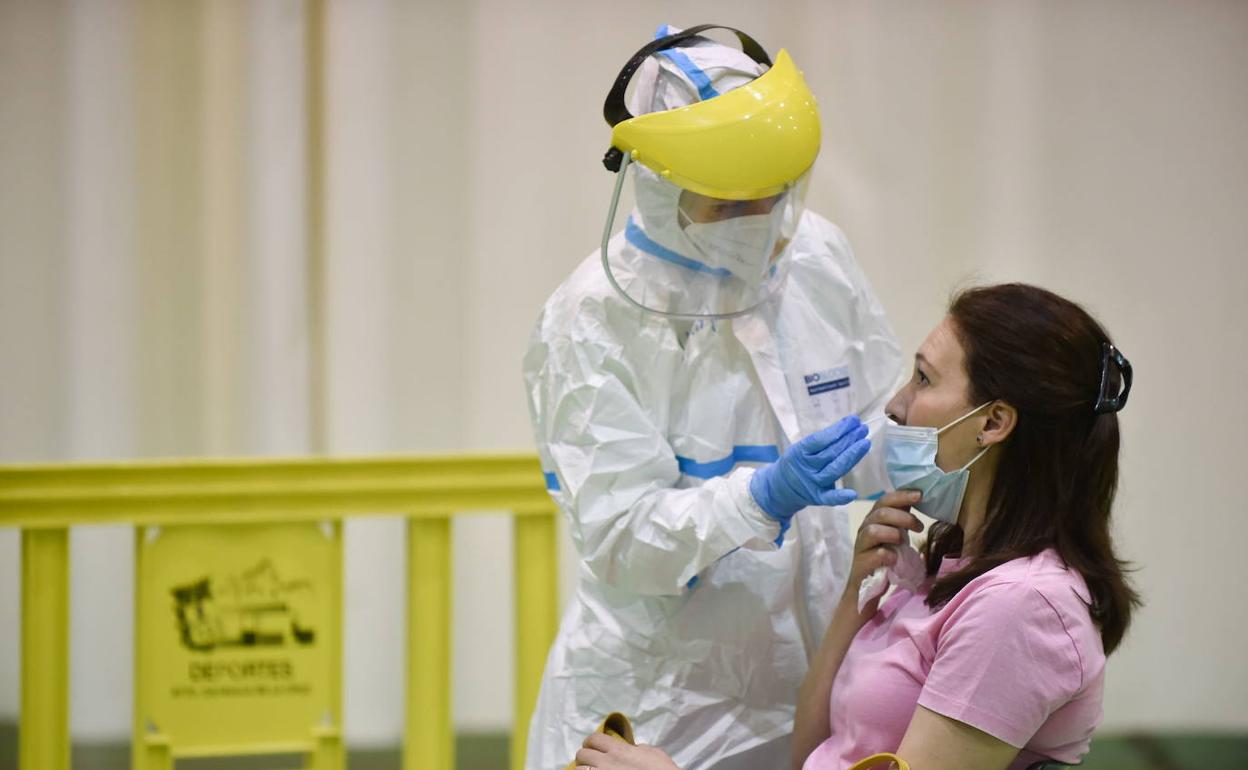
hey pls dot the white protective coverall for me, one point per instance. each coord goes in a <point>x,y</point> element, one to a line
<point>688,617</point>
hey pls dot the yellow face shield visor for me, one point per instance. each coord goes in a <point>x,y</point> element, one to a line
<point>749,143</point>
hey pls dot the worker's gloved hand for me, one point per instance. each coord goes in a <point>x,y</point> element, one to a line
<point>807,472</point>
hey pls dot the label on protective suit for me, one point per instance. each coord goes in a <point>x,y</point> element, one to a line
<point>829,395</point>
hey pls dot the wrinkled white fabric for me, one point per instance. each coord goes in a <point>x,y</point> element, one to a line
<point>648,429</point>
<point>664,81</point>
<point>907,573</point>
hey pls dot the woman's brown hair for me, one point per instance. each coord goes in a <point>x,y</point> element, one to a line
<point>1058,470</point>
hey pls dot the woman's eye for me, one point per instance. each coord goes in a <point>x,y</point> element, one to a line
<point>921,377</point>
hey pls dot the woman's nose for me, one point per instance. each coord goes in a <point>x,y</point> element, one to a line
<point>896,408</point>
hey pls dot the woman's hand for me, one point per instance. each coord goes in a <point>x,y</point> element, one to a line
<point>606,752</point>
<point>877,538</point>
<point>873,548</point>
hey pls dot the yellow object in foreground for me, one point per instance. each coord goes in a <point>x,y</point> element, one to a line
<point>878,759</point>
<point>617,726</point>
<point>751,142</point>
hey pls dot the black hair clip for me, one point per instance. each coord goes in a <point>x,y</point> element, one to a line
<point>1105,403</point>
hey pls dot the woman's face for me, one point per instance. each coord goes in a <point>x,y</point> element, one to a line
<point>937,394</point>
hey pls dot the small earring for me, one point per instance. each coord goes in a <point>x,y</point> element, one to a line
<point>979,439</point>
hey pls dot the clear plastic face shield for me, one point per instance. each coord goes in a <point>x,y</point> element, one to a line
<point>689,255</point>
<point>708,197</point>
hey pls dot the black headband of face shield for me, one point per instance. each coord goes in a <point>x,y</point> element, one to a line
<point>614,109</point>
<point>1106,403</point>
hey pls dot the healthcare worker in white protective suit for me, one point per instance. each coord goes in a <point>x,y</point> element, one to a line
<point>693,386</point>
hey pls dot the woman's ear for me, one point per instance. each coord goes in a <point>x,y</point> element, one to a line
<point>1002,417</point>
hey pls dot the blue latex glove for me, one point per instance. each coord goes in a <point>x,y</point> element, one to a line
<point>807,472</point>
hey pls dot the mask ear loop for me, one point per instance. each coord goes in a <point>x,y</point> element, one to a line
<point>963,417</point>
<point>975,459</point>
<point>983,451</point>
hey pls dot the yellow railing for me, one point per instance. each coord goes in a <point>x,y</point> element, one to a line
<point>44,501</point>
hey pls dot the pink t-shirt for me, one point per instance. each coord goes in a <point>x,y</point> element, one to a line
<point>1014,654</point>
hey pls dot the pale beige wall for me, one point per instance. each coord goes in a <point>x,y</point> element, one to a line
<point>1095,148</point>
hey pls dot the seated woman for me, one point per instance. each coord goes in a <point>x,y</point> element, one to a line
<point>997,659</point>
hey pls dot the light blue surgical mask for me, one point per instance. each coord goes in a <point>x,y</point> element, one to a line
<point>910,458</point>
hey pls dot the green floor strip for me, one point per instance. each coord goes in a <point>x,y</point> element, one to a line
<point>489,751</point>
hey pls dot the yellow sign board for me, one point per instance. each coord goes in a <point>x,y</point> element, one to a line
<point>238,625</point>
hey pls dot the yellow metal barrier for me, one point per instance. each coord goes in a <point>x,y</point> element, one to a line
<point>44,501</point>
